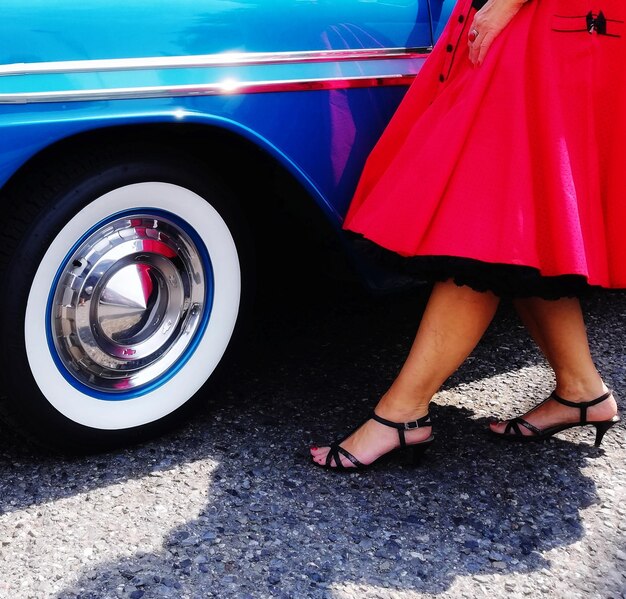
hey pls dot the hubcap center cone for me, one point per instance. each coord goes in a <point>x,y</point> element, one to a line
<point>133,301</point>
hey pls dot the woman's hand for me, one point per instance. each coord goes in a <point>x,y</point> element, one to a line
<point>488,22</point>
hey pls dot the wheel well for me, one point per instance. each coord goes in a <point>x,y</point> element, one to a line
<point>283,216</point>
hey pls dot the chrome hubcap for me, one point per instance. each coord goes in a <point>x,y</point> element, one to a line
<point>128,303</point>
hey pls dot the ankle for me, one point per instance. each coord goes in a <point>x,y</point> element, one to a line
<point>402,408</point>
<point>581,390</point>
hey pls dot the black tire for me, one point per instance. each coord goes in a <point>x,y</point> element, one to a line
<point>157,235</point>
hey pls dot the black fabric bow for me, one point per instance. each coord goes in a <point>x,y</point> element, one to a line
<point>596,23</point>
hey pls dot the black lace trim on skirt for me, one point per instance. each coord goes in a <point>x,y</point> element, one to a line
<point>505,280</point>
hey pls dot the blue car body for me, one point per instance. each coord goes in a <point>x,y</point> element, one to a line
<point>126,283</point>
<point>56,57</point>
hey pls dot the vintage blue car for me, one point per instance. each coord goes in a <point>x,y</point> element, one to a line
<point>147,150</point>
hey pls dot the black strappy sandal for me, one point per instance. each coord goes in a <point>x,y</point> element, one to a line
<point>414,450</point>
<point>512,432</point>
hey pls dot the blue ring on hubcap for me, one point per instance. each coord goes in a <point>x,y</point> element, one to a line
<point>189,350</point>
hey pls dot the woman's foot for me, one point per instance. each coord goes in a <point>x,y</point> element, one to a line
<point>373,439</point>
<point>551,413</point>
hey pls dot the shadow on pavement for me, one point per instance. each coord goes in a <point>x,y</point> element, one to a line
<point>290,529</point>
<point>275,525</point>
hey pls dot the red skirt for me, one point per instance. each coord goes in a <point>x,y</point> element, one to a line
<point>510,176</point>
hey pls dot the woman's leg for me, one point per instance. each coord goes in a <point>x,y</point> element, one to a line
<point>558,328</point>
<point>527,315</point>
<point>453,323</point>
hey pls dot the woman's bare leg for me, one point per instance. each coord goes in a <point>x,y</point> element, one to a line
<point>558,328</point>
<point>527,316</point>
<point>453,323</point>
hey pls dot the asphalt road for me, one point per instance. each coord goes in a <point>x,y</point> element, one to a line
<point>229,505</point>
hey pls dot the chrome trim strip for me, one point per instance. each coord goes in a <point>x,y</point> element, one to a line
<point>211,89</point>
<point>209,60</point>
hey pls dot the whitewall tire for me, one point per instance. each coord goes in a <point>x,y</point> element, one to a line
<point>129,292</point>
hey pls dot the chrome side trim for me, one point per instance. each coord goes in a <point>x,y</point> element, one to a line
<point>209,60</point>
<point>227,87</point>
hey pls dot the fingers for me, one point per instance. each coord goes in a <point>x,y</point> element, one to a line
<point>474,40</point>
<point>487,24</point>
<point>484,47</point>
<point>476,34</point>
<point>479,47</point>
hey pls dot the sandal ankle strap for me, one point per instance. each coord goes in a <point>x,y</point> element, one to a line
<point>579,404</point>
<point>401,427</point>
<point>582,405</point>
<point>405,426</point>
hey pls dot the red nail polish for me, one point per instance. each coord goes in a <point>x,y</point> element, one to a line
<point>314,448</point>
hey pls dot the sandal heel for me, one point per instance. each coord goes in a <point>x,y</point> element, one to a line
<point>416,452</point>
<point>602,427</point>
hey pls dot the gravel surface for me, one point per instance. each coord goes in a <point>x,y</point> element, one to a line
<point>230,506</point>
